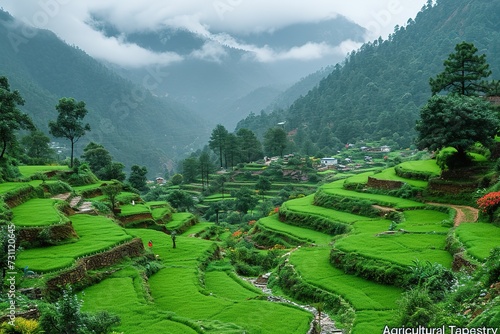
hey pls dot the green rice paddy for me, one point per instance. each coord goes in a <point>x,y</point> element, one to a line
<point>10,186</point>
<point>179,219</point>
<point>313,265</point>
<point>307,235</point>
<point>37,212</point>
<point>96,234</point>
<point>428,166</point>
<point>305,205</point>
<point>478,238</point>
<point>177,289</point>
<point>28,171</point>
<point>390,175</point>
<point>137,315</point>
<point>183,298</point>
<point>336,188</point>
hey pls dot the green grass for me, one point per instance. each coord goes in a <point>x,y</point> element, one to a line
<point>314,267</point>
<point>305,205</point>
<point>374,321</point>
<point>179,219</point>
<point>390,175</point>
<point>428,166</point>
<point>80,189</point>
<point>137,315</point>
<point>36,212</point>
<point>177,289</point>
<point>197,228</point>
<point>222,285</point>
<point>96,234</point>
<point>158,204</point>
<point>129,209</point>
<point>9,186</point>
<point>424,221</point>
<point>478,238</point>
<point>218,197</point>
<point>397,248</point>
<point>28,171</point>
<point>336,188</point>
<point>160,213</point>
<point>359,178</point>
<point>307,235</point>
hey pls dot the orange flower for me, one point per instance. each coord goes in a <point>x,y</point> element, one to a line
<point>489,201</point>
<point>237,234</point>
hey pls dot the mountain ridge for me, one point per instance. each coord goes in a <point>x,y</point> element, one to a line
<point>377,92</point>
<point>44,68</point>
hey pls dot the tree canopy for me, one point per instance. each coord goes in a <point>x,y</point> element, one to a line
<point>218,141</point>
<point>100,162</point>
<point>37,148</point>
<point>463,73</point>
<point>457,121</point>
<point>275,141</point>
<point>137,177</point>
<point>69,123</point>
<point>11,118</point>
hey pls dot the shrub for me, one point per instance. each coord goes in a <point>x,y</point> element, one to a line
<point>314,222</point>
<point>489,203</point>
<point>416,308</point>
<point>58,187</point>
<point>357,206</point>
<point>491,269</point>
<point>377,270</point>
<point>65,316</point>
<point>101,207</point>
<point>413,174</point>
<point>433,277</point>
<point>8,169</point>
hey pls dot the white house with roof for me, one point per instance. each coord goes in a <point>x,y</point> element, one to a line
<point>329,161</point>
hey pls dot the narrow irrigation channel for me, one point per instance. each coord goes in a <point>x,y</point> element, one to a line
<point>327,324</point>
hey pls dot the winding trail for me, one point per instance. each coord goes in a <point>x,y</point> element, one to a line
<point>465,214</point>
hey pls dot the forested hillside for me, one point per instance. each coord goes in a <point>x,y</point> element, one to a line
<point>376,94</point>
<point>134,125</point>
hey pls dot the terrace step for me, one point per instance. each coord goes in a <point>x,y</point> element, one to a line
<point>86,207</point>
<point>74,201</point>
<point>63,197</point>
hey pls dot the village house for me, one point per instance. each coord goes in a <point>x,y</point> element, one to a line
<point>329,161</point>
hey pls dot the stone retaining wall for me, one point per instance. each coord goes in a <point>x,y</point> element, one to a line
<point>19,196</point>
<point>135,218</point>
<point>384,184</point>
<point>459,262</point>
<point>55,233</point>
<point>133,248</point>
<point>437,185</point>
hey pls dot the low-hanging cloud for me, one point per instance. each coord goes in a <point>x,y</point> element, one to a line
<point>214,20</point>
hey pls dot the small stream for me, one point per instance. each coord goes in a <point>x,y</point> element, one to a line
<point>327,324</point>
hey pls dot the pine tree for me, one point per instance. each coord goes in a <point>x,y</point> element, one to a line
<point>463,73</point>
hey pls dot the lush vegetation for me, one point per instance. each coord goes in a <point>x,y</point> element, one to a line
<point>381,239</point>
<point>389,87</point>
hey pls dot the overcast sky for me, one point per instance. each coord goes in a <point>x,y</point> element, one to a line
<point>216,19</point>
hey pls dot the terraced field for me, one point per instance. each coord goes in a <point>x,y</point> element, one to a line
<point>221,305</point>
<point>186,295</point>
<point>95,234</point>
<point>337,188</point>
<point>46,215</point>
<point>180,298</point>
<point>420,236</point>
